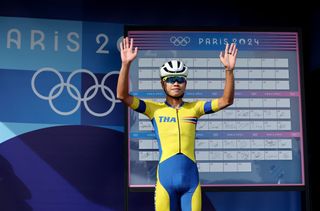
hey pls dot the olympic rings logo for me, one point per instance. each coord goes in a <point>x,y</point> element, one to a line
<point>57,90</point>
<point>179,41</point>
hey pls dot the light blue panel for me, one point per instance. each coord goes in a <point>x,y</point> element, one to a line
<point>9,130</point>
<point>100,51</point>
<point>29,44</point>
<point>26,104</point>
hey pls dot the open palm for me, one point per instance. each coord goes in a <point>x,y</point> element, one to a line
<point>126,50</point>
<point>228,59</point>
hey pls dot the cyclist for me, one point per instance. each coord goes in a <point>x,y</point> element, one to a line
<point>174,122</point>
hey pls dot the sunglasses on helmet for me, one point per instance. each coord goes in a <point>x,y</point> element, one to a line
<point>173,79</point>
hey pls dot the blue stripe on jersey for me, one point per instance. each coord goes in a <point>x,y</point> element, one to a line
<point>142,107</point>
<point>207,108</point>
<point>155,127</point>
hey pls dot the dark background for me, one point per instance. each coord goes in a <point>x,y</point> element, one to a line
<point>301,15</point>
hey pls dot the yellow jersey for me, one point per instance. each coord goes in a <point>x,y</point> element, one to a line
<point>175,129</point>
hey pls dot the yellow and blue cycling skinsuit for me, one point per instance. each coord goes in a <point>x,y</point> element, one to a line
<point>177,174</point>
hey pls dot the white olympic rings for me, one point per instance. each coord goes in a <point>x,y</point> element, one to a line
<point>179,41</point>
<point>77,96</point>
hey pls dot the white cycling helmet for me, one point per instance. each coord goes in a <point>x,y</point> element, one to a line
<point>173,68</point>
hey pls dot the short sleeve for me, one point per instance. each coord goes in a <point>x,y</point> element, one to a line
<point>207,107</point>
<point>142,106</point>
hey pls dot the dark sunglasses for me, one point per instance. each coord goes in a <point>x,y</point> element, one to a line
<point>173,79</point>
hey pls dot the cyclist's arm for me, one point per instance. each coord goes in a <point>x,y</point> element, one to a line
<point>228,92</point>
<point>122,87</point>
<point>228,59</point>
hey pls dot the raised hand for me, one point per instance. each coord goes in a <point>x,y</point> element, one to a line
<point>228,58</point>
<point>126,50</point>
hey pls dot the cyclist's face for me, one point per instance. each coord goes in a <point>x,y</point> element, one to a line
<point>174,89</point>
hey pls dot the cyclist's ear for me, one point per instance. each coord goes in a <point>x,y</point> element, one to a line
<point>162,83</point>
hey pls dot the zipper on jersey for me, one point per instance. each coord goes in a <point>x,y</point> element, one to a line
<point>179,130</point>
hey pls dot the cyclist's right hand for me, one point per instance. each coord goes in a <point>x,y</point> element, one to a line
<point>126,50</point>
